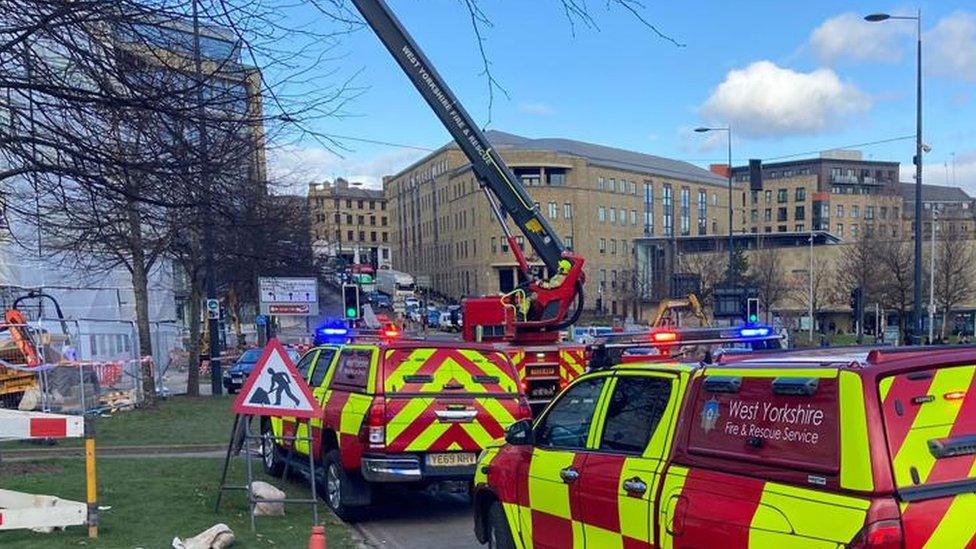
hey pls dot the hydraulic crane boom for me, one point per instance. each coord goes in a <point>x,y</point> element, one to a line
<point>550,301</point>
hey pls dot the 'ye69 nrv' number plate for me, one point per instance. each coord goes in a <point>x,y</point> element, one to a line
<point>454,459</point>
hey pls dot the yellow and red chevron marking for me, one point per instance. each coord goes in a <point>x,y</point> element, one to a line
<point>572,364</point>
<point>414,425</point>
<point>476,371</point>
<point>938,522</point>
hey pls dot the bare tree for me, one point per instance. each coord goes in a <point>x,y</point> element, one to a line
<point>767,274</point>
<point>824,289</point>
<point>710,269</point>
<point>955,282</point>
<point>893,276</point>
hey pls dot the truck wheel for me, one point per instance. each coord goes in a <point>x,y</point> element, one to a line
<point>339,488</point>
<point>499,534</point>
<point>274,464</point>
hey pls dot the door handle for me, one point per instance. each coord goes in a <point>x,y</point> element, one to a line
<point>676,525</point>
<point>569,475</point>
<point>635,487</point>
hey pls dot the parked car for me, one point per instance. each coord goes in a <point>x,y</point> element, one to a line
<point>380,301</point>
<point>406,412</point>
<point>235,375</point>
<point>444,322</point>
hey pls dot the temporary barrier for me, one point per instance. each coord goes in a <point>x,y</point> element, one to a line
<point>19,510</point>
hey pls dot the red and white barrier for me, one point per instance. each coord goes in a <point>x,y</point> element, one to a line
<point>30,425</point>
<point>19,510</point>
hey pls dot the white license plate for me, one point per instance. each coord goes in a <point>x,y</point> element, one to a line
<point>456,459</point>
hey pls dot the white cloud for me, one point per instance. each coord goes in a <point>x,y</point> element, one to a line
<point>295,166</point>
<point>764,100</point>
<point>950,47</point>
<point>536,109</point>
<point>848,37</point>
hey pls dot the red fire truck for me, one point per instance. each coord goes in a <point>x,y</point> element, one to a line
<point>527,321</point>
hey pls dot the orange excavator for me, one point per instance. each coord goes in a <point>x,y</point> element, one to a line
<point>16,347</point>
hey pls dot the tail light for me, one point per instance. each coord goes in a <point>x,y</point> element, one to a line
<point>563,382</point>
<point>524,410</point>
<point>883,529</point>
<point>525,386</point>
<point>373,432</point>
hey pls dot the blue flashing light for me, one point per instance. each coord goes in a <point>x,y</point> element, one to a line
<point>754,332</point>
<point>333,331</point>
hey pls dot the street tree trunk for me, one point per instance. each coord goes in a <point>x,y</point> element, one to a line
<point>140,288</point>
<point>193,374</point>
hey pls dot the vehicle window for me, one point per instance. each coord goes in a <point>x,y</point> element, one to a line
<point>352,370</point>
<point>568,422</point>
<point>322,364</point>
<point>304,364</point>
<point>251,355</point>
<point>633,413</point>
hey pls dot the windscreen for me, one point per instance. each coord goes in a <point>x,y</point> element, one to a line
<point>451,371</point>
<point>930,423</point>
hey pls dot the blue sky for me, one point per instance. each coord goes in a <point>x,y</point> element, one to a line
<point>790,77</point>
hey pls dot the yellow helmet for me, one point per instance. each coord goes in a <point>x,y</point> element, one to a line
<point>564,266</point>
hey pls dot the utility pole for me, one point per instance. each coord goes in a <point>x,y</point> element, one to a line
<point>206,183</point>
<point>811,284</point>
<point>932,275</point>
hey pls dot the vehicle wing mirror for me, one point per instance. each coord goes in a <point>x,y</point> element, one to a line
<point>520,433</point>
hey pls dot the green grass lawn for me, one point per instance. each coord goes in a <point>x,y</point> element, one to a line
<point>179,420</point>
<point>152,500</point>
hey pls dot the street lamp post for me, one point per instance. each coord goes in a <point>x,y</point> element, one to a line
<point>877,17</point>
<point>932,274</point>
<point>811,284</point>
<point>728,132</point>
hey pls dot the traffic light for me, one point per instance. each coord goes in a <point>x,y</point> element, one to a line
<point>855,303</point>
<point>350,300</point>
<point>752,310</point>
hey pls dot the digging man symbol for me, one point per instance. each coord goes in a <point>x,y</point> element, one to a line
<point>280,383</point>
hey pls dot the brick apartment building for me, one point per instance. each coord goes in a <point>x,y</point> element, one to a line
<point>838,192</point>
<point>598,198</point>
<point>350,222</point>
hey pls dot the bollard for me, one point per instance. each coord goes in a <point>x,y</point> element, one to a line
<point>91,484</point>
<point>317,539</point>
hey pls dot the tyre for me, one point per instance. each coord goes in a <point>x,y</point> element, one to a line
<point>271,458</point>
<point>499,534</point>
<point>340,488</point>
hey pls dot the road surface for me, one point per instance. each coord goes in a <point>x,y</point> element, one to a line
<point>405,519</point>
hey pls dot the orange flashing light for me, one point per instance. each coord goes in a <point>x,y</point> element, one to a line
<point>954,395</point>
<point>664,337</point>
<point>391,332</point>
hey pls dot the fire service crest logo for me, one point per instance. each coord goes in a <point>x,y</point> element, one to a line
<point>710,413</point>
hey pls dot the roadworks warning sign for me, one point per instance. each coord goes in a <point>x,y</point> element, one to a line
<point>275,388</point>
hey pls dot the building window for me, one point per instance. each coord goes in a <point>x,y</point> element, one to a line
<point>799,213</point>
<point>869,212</point>
<point>754,216</point>
<point>685,211</point>
<point>702,212</point>
<point>854,231</point>
<point>781,214</point>
<point>714,199</point>
<point>386,236</point>
<point>567,211</point>
<point>840,230</point>
<point>884,212</point>
<point>494,244</point>
<point>781,228</point>
<point>768,215</point>
<point>556,177</point>
<point>768,195</point>
<point>855,211</point>
<point>648,208</point>
<point>800,228</point>
<point>613,245</point>
<point>801,194</point>
<point>613,215</point>
<point>668,205</point>
<point>602,214</point>
<point>504,245</point>
<point>568,240</point>
<point>782,196</point>
<point>840,210</point>
<point>553,211</point>
<point>612,185</point>
<point>603,245</point>
<point>633,217</point>
<point>349,235</point>
<point>521,242</point>
<point>600,183</point>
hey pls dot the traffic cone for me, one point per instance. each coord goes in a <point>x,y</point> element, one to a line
<point>317,539</point>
